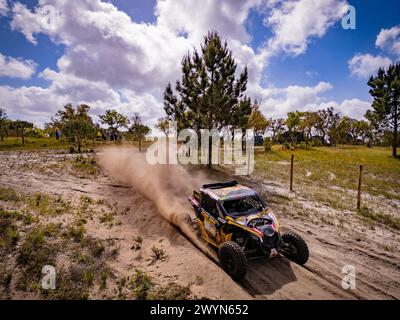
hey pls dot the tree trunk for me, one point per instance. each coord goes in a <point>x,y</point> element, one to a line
<point>23,137</point>
<point>140,144</point>
<point>167,149</point>
<point>323,138</point>
<point>211,123</point>
<point>394,151</point>
<point>209,152</point>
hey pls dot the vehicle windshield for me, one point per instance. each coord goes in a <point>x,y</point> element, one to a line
<point>243,206</point>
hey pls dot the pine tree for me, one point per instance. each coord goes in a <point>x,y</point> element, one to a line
<point>210,96</point>
<point>385,89</point>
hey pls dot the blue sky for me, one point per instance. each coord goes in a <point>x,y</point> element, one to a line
<point>325,59</point>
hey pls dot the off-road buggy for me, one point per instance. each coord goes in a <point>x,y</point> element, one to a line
<point>235,220</point>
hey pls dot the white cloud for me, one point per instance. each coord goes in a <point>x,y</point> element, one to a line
<point>312,74</point>
<point>389,39</point>
<point>103,44</point>
<point>354,108</point>
<point>132,61</point>
<point>16,67</point>
<point>196,18</point>
<point>295,23</point>
<point>39,104</point>
<point>364,65</point>
<point>277,102</point>
<point>3,7</point>
<point>111,61</point>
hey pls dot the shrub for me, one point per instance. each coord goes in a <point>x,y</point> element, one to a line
<point>304,145</point>
<point>35,252</point>
<point>76,233</point>
<point>267,145</point>
<point>172,291</point>
<point>141,284</point>
<point>158,253</point>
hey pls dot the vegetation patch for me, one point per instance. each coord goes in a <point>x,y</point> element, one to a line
<point>86,166</point>
<point>171,291</point>
<point>141,284</point>
<point>158,254</point>
<point>36,251</point>
<point>386,219</point>
<point>9,235</point>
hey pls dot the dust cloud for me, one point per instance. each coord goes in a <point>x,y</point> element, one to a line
<point>168,186</point>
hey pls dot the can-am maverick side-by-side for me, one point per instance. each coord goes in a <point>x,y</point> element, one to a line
<point>235,220</point>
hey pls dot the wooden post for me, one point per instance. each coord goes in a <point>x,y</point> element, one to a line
<point>291,173</point>
<point>359,189</point>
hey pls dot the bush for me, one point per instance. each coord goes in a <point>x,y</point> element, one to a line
<point>141,284</point>
<point>171,291</point>
<point>158,254</point>
<point>286,146</point>
<point>304,145</point>
<point>316,142</point>
<point>36,251</point>
<point>267,145</point>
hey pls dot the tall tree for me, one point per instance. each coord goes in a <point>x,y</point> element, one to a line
<point>293,122</point>
<point>210,96</point>
<point>257,120</point>
<point>75,123</point>
<point>308,123</point>
<point>325,123</point>
<point>78,130</point>
<point>21,128</point>
<point>163,125</point>
<point>114,120</point>
<point>138,129</point>
<point>385,89</point>
<point>3,123</point>
<point>343,132</point>
<point>276,127</point>
<point>333,126</point>
<point>364,131</point>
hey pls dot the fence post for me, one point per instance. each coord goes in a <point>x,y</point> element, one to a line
<point>291,173</point>
<point>359,189</point>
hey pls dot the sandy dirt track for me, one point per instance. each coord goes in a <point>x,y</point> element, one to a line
<point>157,202</point>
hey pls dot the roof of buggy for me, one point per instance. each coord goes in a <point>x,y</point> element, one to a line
<point>227,190</point>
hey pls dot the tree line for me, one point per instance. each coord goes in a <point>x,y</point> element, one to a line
<point>211,94</point>
<point>78,126</point>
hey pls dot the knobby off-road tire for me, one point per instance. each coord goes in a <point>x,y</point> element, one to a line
<point>300,254</point>
<point>233,260</point>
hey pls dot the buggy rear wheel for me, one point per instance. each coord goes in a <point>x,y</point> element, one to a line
<point>294,248</point>
<point>233,260</point>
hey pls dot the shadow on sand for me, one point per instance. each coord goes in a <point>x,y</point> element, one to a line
<point>265,276</point>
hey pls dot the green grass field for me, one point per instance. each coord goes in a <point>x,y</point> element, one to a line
<point>13,143</point>
<point>327,174</point>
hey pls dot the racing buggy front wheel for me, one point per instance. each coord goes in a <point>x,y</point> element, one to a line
<point>233,260</point>
<point>294,248</point>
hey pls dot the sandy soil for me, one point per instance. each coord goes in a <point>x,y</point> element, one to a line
<point>152,202</point>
